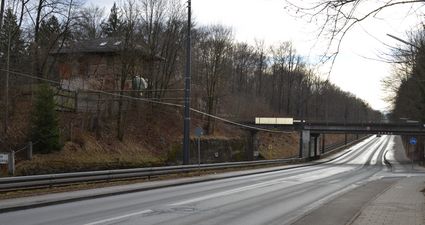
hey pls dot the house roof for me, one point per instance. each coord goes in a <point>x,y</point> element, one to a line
<point>101,46</point>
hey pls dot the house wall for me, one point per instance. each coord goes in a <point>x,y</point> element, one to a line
<point>93,71</point>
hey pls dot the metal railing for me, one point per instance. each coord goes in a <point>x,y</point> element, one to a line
<point>49,180</point>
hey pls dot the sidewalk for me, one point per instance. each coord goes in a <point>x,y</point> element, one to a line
<point>397,157</point>
<point>402,204</point>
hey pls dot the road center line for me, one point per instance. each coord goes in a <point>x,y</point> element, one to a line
<point>120,217</point>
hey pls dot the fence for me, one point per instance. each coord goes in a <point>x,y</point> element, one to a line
<point>66,100</point>
<point>9,158</point>
<point>89,101</point>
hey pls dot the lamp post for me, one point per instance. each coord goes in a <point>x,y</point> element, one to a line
<point>186,126</point>
<point>402,41</point>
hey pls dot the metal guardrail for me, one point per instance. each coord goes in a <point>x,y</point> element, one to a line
<point>36,181</point>
<point>49,180</point>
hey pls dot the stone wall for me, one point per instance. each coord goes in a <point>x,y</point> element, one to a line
<point>219,150</point>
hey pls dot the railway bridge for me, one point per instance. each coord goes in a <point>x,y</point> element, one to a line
<point>311,133</point>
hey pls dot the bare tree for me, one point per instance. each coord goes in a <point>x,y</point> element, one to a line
<point>261,65</point>
<point>337,17</point>
<point>88,22</point>
<point>171,42</point>
<point>213,58</point>
<point>162,28</point>
<point>152,18</point>
<point>285,64</point>
<point>128,58</point>
<point>39,11</point>
<point>243,68</point>
<point>406,86</point>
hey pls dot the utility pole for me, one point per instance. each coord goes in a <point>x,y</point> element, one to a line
<point>6,112</point>
<point>1,12</point>
<point>2,3</point>
<point>186,127</point>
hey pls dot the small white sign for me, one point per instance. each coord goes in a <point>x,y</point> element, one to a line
<point>4,158</point>
<point>274,120</point>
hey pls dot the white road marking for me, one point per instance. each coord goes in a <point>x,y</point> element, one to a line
<point>120,217</point>
<point>233,191</point>
<point>284,182</point>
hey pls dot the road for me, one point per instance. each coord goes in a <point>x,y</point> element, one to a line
<point>279,197</point>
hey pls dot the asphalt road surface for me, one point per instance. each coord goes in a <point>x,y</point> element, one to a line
<point>280,197</point>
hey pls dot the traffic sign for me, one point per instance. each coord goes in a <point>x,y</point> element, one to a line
<point>413,141</point>
<point>4,158</point>
<point>199,132</point>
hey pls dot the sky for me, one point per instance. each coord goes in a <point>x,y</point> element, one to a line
<point>357,68</point>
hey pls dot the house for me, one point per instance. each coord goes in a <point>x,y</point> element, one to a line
<point>97,64</point>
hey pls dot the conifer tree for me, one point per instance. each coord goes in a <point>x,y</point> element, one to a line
<point>45,123</point>
<point>113,26</point>
<point>50,32</point>
<point>10,37</point>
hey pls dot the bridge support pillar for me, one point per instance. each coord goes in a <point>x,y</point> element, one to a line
<point>323,143</point>
<point>304,144</point>
<point>315,145</point>
<point>252,150</point>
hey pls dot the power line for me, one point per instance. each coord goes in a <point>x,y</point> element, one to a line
<point>155,102</point>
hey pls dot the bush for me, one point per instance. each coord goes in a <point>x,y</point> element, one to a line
<point>44,122</point>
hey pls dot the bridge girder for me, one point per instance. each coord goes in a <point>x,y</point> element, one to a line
<point>353,128</point>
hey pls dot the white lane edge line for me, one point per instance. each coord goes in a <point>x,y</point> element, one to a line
<point>120,217</point>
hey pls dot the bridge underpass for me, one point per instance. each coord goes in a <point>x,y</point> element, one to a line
<point>312,133</point>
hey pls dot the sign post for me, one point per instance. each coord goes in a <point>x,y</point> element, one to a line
<point>199,132</point>
<point>11,163</point>
<point>413,142</point>
<point>4,164</point>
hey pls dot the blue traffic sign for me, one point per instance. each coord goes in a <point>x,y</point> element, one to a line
<point>413,141</point>
<point>199,132</point>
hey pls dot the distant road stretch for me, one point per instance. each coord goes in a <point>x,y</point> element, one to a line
<point>270,198</point>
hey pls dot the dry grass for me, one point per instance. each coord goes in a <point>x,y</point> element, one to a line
<point>92,155</point>
<point>150,133</point>
<point>278,146</point>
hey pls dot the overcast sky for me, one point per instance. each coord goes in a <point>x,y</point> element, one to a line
<point>355,69</point>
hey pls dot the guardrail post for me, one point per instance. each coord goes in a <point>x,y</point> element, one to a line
<point>12,163</point>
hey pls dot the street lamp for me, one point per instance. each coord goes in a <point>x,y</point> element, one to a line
<point>402,41</point>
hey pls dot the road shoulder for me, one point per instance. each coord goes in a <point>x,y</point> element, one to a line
<point>342,209</point>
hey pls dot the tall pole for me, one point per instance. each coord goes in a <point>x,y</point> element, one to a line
<point>186,127</point>
<point>6,111</point>
<point>2,4</point>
